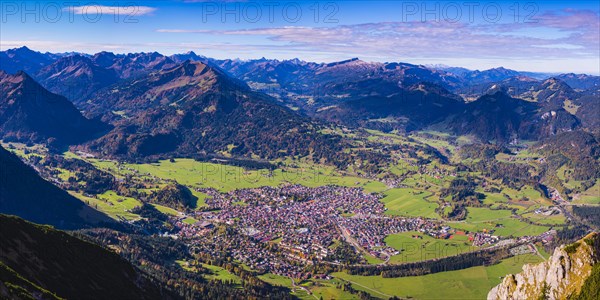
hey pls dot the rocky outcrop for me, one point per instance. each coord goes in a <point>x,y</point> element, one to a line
<point>560,277</point>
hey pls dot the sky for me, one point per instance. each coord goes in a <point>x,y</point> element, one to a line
<point>540,36</point>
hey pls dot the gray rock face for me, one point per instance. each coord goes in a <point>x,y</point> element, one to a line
<point>561,275</point>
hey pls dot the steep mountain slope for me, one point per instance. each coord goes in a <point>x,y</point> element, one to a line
<point>554,93</point>
<point>502,118</point>
<point>24,59</point>
<point>76,77</point>
<point>492,117</point>
<point>178,85</point>
<point>193,109</point>
<point>589,111</point>
<point>562,276</point>
<point>408,109</point>
<point>24,193</point>
<point>40,262</point>
<point>30,113</point>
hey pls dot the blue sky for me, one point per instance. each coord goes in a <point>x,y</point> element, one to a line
<point>546,36</point>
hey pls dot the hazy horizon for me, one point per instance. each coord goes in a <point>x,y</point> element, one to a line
<point>548,37</point>
<point>197,52</point>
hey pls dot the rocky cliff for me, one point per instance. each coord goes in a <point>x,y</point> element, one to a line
<point>562,276</point>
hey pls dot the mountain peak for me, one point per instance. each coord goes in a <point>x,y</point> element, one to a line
<point>43,115</point>
<point>23,48</point>
<point>190,68</point>
<point>345,62</point>
<point>561,276</point>
<point>554,83</point>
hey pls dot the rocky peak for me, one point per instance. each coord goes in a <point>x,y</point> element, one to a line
<point>560,277</point>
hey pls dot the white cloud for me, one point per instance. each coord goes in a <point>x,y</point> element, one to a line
<point>132,10</point>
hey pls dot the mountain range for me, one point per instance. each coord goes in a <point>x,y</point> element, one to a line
<point>143,107</point>
<point>192,109</point>
<point>188,104</point>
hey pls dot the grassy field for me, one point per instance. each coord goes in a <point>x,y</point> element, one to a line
<point>201,198</point>
<point>276,279</point>
<point>590,196</point>
<point>427,182</point>
<point>218,273</point>
<point>113,205</point>
<point>172,212</point>
<point>526,192</point>
<point>214,272</point>
<point>425,247</point>
<point>501,221</point>
<point>471,283</point>
<point>166,210</point>
<point>326,290</point>
<point>545,220</point>
<point>226,178</point>
<point>409,202</point>
<point>320,289</point>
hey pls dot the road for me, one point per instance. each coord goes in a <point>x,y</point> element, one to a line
<point>350,239</point>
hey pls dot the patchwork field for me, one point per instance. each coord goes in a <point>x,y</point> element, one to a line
<point>416,246</point>
<point>471,283</point>
<point>226,178</point>
<point>501,221</point>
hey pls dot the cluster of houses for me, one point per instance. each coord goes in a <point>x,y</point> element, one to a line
<point>283,229</point>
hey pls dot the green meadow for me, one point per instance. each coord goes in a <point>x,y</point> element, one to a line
<point>409,202</point>
<point>590,196</point>
<point>471,283</point>
<point>218,273</point>
<point>227,178</point>
<point>214,272</point>
<point>113,205</point>
<point>417,246</point>
<point>503,223</point>
<point>320,289</point>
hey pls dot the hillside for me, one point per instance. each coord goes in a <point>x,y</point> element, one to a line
<point>562,276</point>
<point>76,77</point>
<point>24,193</point>
<point>409,109</point>
<point>193,109</point>
<point>38,262</point>
<point>502,118</point>
<point>30,113</point>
